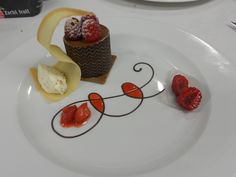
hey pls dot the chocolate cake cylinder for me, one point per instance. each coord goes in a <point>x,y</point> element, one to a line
<point>93,58</point>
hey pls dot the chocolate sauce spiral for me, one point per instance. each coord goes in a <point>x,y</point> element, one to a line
<point>129,93</point>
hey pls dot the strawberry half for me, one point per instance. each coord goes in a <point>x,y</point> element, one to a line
<point>189,98</point>
<point>82,114</point>
<point>179,83</point>
<point>67,116</point>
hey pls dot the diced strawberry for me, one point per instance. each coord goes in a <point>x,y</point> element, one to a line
<point>82,114</point>
<point>67,116</point>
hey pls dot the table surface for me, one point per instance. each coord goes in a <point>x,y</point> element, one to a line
<point>207,19</point>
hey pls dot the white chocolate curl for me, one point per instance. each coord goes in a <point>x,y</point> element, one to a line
<point>64,63</point>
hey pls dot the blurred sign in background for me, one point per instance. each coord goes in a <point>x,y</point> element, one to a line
<point>21,8</point>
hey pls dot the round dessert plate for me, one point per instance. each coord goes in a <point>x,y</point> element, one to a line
<point>142,134</point>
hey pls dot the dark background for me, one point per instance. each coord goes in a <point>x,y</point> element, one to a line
<point>10,7</point>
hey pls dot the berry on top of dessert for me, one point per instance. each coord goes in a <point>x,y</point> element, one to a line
<point>91,30</point>
<point>72,29</point>
<point>87,29</point>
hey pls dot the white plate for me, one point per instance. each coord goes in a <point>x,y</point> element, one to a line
<point>157,140</point>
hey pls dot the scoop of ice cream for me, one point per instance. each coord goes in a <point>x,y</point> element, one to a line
<point>51,80</point>
<point>72,29</point>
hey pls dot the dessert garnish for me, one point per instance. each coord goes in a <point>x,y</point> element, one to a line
<point>65,65</point>
<point>179,83</point>
<point>87,29</point>
<point>72,29</point>
<point>89,17</point>
<point>67,116</point>
<point>188,98</point>
<point>91,30</point>
<point>73,116</point>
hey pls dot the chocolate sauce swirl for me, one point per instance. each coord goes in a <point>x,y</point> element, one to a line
<point>129,89</point>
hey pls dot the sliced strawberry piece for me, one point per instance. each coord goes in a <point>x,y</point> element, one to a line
<point>82,114</point>
<point>190,98</point>
<point>67,116</point>
<point>179,84</point>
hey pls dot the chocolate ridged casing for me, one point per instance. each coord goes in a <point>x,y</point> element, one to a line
<point>93,58</point>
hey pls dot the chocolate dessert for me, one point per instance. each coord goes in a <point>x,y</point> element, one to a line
<point>88,44</point>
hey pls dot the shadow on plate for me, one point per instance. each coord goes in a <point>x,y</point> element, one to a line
<point>141,4</point>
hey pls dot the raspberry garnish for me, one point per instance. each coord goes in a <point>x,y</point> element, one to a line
<point>179,84</point>
<point>189,98</point>
<point>86,17</point>
<point>71,24</point>
<point>72,29</point>
<point>91,30</point>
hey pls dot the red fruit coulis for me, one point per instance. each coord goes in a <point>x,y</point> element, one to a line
<point>97,101</point>
<point>132,90</point>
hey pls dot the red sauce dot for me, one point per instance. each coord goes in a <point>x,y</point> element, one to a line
<point>97,101</point>
<point>132,90</point>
